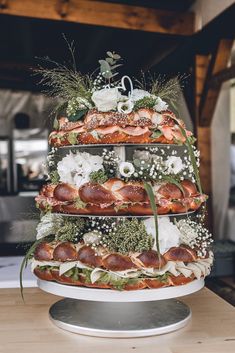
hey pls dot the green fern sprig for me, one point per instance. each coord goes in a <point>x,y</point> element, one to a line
<point>160,86</point>
<point>64,83</point>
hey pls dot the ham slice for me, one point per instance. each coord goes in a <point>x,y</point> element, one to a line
<point>134,131</point>
<point>107,130</point>
<point>129,130</point>
<point>167,132</point>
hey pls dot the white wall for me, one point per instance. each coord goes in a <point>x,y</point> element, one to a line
<point>221,161</point>
<point>206,10</point>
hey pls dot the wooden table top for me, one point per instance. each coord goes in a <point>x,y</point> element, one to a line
<point>26,328</point>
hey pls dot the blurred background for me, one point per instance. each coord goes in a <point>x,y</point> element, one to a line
<point>170,37</point>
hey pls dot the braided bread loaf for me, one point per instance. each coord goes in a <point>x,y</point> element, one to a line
<point>113,127</point>
<point>116,197</point>
<point>65,252</point>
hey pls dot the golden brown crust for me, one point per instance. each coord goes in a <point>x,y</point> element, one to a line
<point>88,256</point>
<point>133,192</point>
<point>189,188</point>
<point>150,258</point>
<point>180,280</point>
<point>114,127</point>
<point>180,253</point>
<point>44,251</point>
<point>65,192</point>
<point>136,209</point>
<point>65,251</point>
<point>118,262</point>
<point>46,275</point>
<point>95,193</point>
<point>145,283</point>
<point>118,197</point>
<point>170,191</point>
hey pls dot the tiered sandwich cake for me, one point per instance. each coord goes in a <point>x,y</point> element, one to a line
<point>123,205</point>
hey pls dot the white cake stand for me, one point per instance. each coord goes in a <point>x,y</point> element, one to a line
<point>112,313</point>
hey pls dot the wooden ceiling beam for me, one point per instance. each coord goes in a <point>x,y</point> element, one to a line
<point>222,76</point>
<point>100,13</point>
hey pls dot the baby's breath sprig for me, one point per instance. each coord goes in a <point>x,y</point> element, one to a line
<point>110,162</point>
<point>194,235</point>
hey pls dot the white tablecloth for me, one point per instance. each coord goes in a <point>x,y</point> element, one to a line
<point>9,273</point>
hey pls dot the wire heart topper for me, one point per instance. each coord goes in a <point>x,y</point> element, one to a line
<point>123,86</point>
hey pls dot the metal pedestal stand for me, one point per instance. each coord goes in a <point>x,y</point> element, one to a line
<point>108,313</point>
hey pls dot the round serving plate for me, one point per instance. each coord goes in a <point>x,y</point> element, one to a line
<point>122,145</point>
<point>110,295</point>
<point>121,216</point>
<point>120,320</point>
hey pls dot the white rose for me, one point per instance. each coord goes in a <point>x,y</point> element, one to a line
<point>125,107</point>
<point>138,94</point>
<point>106,99</point>
<point>157,118</point>
<point>142,156</point>
<point>174,165</point>
<point>168,233</point>
<point>91,237</point>
<point>75,168</point>
<point>126,169</point>
<point>160,105</point>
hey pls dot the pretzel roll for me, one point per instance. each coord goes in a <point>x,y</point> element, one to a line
<point>180,253</point>
<point>54,140</point>
<point>94,285</point>
<point>48,190</point>
<point>144,138</point>
<point>45,275</point>
<point>155,283</point>
<point>170,191</point>
<point>65,251</point>
<point>43,252</point>
<point>150,258</point>
<point>118,262</point>
<point>88,256</point>
<point>180,207</point>
<point>189,187</point>
<point>166,141</point>
<point>140,284</point>
<point>114,184</point>
<point>139,209</point>
<point>95,193</point>
<point>64,279</point>
<point>195,203</point>
<point>115,137</point>
<point>133,193</point>
<point>86,138</point>
<point>163,209</point>
<point>65,192</point>
<point>89,209</point>
<point>179,280</point>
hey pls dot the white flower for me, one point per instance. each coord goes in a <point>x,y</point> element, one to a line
<point>91,238</point>
<point>126,169</point>
<point>174,165</point>
<point>142,155</point>
<point>75,168</point>
<point>168,233</point>
<point>188,234</point>
<point>160,105</point>
<point>106,99</point>
<point>47,225</point>
<point>125,107</point>
<point>157,118</point>
<point>138,94</point>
